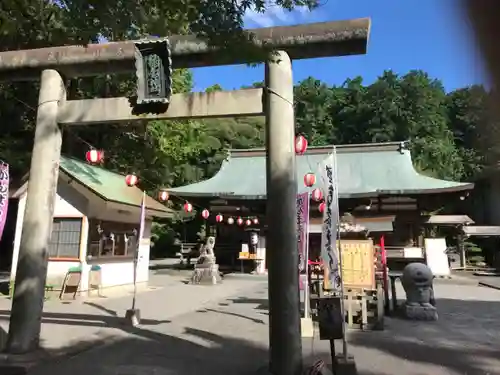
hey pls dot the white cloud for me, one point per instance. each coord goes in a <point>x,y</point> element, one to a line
<point>275,16</point>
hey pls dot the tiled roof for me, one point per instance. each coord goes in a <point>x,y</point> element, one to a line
<point>108,185</point>
<point>367,170</point>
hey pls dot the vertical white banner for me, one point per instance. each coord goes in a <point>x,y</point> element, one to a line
<point>329,251</point>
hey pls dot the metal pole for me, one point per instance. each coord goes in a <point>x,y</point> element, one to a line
<point>284,300</point>
<point>31,274</point>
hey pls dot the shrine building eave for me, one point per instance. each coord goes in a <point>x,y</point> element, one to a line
<point>364,171</point>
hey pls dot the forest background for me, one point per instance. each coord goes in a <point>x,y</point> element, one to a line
<point>451,134</point>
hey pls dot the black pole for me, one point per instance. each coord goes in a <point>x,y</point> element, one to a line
<point>333,356</point>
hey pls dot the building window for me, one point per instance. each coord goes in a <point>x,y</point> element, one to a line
<point>111,239</point>
<point>65,238</point>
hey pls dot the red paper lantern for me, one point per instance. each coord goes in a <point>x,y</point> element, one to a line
<point>309,179</point>
<point>94,156</point>
<point>322,207</point>
<point>255,220</point>
<point>188,207</point>
<point>163,196</point>
<point>317,195</point>
<point>239,221</point>
<point>248,222</point>
<point>204,214</point>
<point>230,221</point>
<point>219,218</point>
<point>131,180</point>
<point>300,145</point>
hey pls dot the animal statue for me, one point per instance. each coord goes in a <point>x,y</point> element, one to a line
<point>206,270</point>
<point>417,280</point>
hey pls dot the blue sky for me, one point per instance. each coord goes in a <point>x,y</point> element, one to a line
<point>432,35</point>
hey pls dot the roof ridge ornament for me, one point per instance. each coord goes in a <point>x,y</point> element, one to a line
<point>403,145</point>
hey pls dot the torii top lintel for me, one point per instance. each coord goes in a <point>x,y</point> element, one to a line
<point>336,38</point>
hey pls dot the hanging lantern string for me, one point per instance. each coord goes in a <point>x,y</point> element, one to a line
<point>79,138</point>
<point>308,160</point>
<point>196,207</point>
<point>140,178</point>
<point>171,195</point>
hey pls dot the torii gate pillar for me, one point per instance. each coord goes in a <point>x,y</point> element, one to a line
<point>26,314</point>
<point>337,38</point>
<point>285,354</point>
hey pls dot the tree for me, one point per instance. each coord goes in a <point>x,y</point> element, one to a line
<point>412,107</point>
<point>214,88</point>
<point>34,24</point>
<point>470,124</point>
<point>313,100</point>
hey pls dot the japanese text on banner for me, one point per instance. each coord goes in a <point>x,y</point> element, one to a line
<point>329,251</point>
<point>302,228</point>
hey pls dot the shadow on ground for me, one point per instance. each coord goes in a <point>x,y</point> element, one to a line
<point>110,319</point>
<point>464,340</point>
<point>149,352</point>
<point>145,351</point>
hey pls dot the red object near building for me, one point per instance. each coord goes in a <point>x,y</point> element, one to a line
<point>188,207</point>
<point>163,196</point>
<point>131,180</point>
<point>300,145</point>
<point>239,221</point>
<point>204,214</point>
<point>317,195</point>
<point>94,156</point>
<point>309,179</point>
<point>322,207</point>
<point>219,218</point>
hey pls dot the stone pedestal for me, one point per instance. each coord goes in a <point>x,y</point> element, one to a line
<point>133,317</point>
<point>345,366</point>
<point>206,274</point>
<point>306,327</point>
<point>420,312</point>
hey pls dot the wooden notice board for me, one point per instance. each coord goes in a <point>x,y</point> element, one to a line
<point>358,267</point>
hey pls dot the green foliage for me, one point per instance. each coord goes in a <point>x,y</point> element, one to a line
<point>441,127</point>
<point>451,135</point>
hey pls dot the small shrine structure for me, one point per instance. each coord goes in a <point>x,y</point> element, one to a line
<point>378,185</point>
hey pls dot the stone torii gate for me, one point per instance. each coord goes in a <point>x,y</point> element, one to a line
<point>275,101</point>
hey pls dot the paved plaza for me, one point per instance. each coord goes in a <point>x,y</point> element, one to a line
<point>223,329</point>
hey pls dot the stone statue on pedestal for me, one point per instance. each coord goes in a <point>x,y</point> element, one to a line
<point>417,282</point>
<point>206,270</point>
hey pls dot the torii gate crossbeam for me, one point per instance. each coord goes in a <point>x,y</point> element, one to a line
<point>275,100</point>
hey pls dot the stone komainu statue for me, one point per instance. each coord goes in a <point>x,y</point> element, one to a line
<point>417,282</point>
<point>206,270</point>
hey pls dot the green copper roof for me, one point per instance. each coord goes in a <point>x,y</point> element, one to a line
<point>363,170</point>
<point>108,185</point>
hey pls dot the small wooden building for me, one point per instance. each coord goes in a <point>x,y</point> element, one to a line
<point>96,221</point>
<point>378,186</point>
